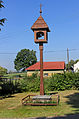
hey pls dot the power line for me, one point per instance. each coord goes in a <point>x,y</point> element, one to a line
<point>60,50</point>
<point>3,36</point>
<point>7,53</point>
<point>45,51</point>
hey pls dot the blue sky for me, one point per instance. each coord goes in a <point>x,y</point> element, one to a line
<point>62,17</point>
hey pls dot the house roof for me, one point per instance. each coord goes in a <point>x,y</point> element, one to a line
<point>40,23</point>
<point>47,66</point>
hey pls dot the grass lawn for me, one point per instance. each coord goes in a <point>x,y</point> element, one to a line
<point>12,107</point>
<point>14,75</point>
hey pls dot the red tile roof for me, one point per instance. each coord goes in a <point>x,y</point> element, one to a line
<point>47,66</point>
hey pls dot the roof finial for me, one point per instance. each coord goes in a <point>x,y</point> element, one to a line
<point>40,9</point>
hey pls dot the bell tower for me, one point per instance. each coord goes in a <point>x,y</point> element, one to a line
<point>40,29</point>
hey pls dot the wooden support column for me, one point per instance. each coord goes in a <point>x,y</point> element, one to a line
<point>41,69</point>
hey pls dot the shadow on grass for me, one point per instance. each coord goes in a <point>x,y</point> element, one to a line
<point>69,116</point>
<point>73,100</point>
<point>8,96</point>
<point>51,93</point>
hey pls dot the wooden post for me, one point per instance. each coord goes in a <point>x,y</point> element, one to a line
<point>40,29</point>
<point>41,69</point>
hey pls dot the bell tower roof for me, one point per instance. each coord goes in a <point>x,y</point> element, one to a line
<point>40,23</point>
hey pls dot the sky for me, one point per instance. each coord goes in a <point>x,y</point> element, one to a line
<point>62,17</point>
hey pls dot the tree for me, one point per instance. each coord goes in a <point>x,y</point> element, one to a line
<point>2,71</point>
<point>24,59</point>
<point>3,19</point>
<point>76,61</point>
<point>71,64</point>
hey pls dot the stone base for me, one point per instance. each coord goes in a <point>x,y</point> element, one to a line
<point>41,98</point>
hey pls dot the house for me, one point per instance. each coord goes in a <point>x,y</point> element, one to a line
<point>76,67</point>
<point>49,68</point>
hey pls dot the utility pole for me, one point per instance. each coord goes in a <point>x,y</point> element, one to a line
<point>68,58</point>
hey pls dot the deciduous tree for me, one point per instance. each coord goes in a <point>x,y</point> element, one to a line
<point>24,59</point>
<point>71,64</point>
<point>3,19</point>
<point>2,71</point>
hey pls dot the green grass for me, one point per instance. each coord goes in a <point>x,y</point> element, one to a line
<point>11,107</point>
<point>12,75</point>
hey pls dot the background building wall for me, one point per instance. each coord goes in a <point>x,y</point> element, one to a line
<point>76,67</point>
<point>45,73</point>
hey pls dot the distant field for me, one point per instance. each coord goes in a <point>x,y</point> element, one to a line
<point>14,75</point>
<point>12,107</point>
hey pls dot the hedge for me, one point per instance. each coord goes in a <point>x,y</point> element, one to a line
<point>56,82</point>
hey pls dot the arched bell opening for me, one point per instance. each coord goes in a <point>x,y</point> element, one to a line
<point>40,35</point>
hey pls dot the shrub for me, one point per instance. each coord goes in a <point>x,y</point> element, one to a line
<point>57,82</point>
<point>64,81</point>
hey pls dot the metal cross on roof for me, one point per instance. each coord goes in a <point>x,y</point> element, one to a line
<point>40,9</point>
